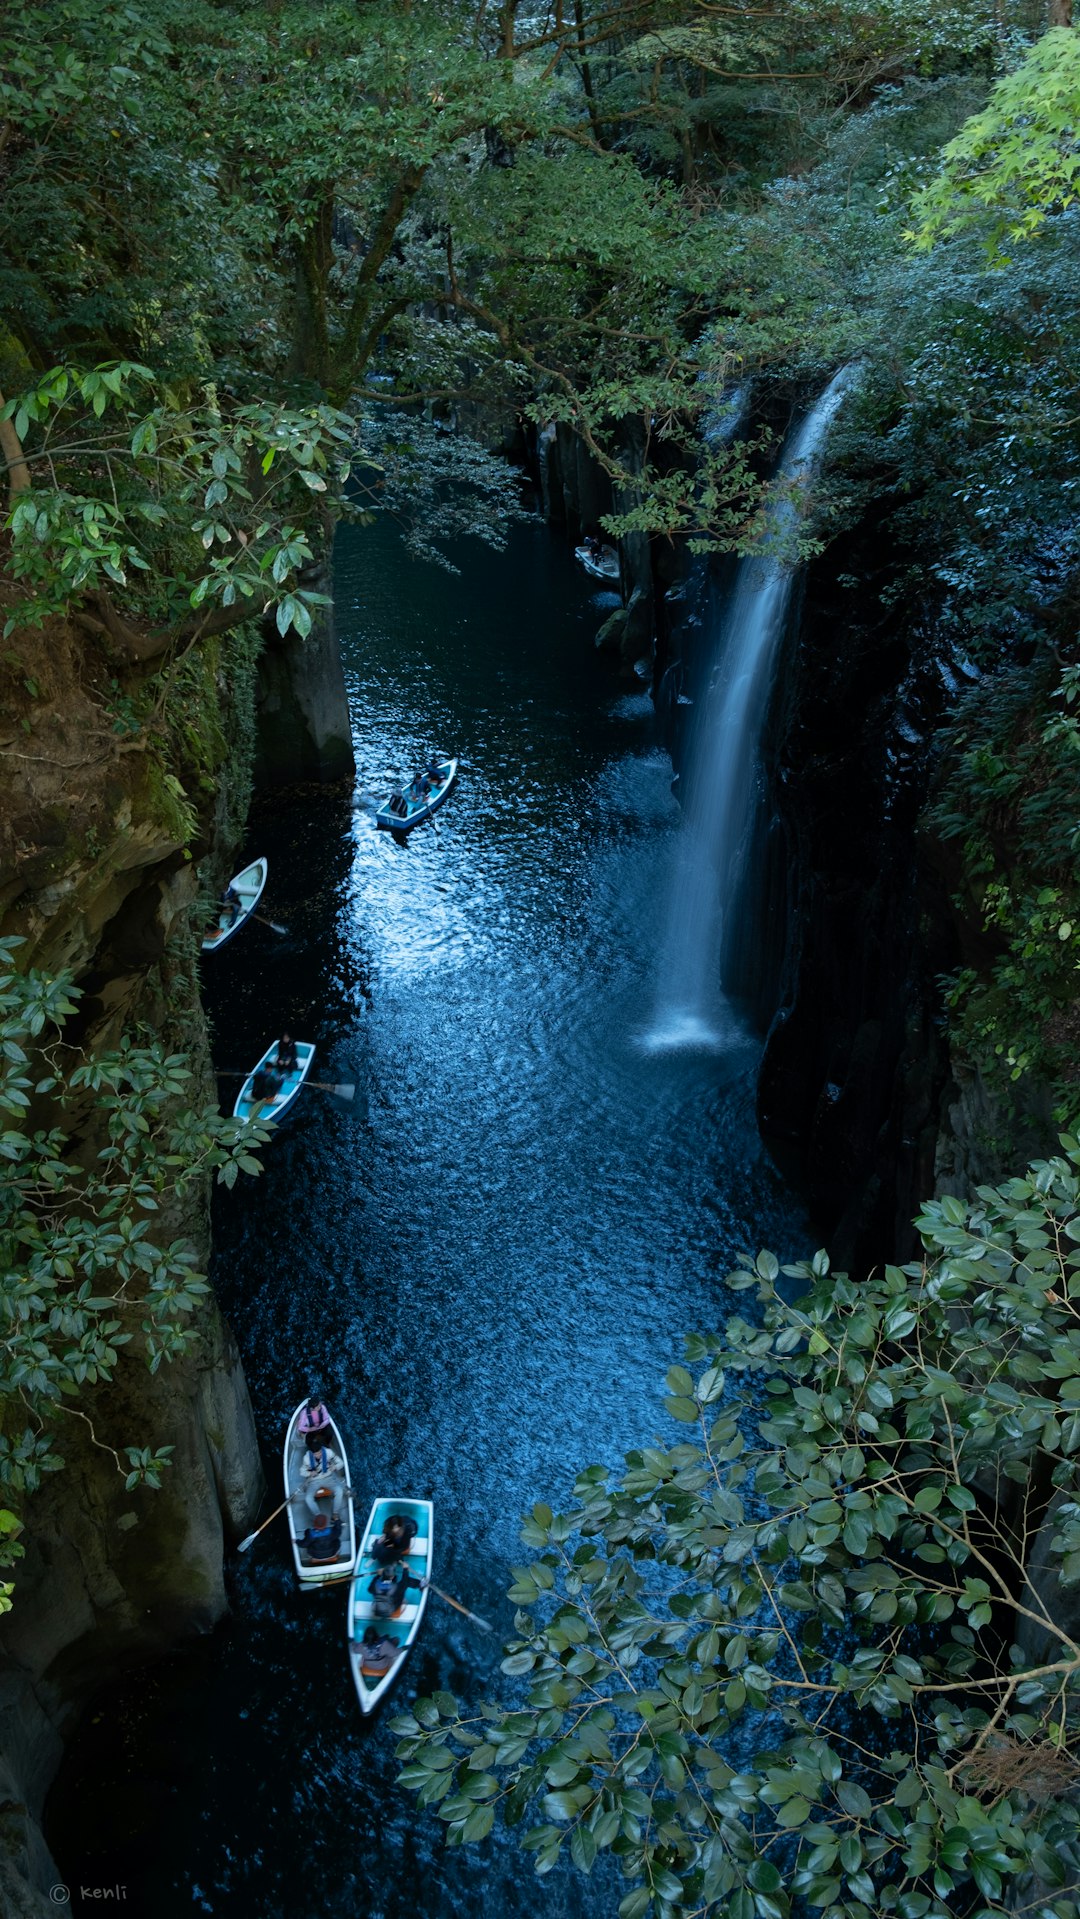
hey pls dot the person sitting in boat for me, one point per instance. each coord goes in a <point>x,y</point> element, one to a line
<point>265,1086</point>
<point>394,1541</point>
<point>314,1420</point>
<point>435,770</point>
<point>286,1053</point>
<point>594,546</point>
<point>420,787</point>
<point>389,1589</point>
<point>320,1461</point>
<point>378,1652</point>
<point>322,1540</point>
<point>320,1487</point>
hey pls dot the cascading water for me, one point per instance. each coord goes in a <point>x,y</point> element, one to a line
<point>721,779</point>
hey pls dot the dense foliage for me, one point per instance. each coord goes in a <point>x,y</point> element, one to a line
<point>95,1155</point>
<point>1012,801</point>
<point>822,1653</point>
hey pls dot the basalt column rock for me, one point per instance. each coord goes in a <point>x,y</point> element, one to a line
<point>302,709</point>
<point>854,1066</point>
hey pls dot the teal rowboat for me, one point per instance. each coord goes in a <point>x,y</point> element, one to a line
<point>414,804</point>
<point>271,1110</point>
<point>404,1625</point>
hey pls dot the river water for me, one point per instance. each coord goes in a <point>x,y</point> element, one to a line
<point>486,1262</point>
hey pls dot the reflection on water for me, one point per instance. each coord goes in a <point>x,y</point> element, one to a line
<point>487,1261</point>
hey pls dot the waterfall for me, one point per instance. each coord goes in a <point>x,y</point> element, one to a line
<point>721,779</point>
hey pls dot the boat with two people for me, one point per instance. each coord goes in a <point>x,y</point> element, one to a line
<point>417,801</point>
<point>322,1526</point>
<point>599,560</point>
<point>388,1594</point>
<point>238,902</point>
<point>271,1087</point>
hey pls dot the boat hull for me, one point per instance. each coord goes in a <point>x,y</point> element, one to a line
<point>605,568</point>
<point>249,883</point>
<point>419,810</point>
<point>269,1111</point>
<point>328,1572</point>
<point>405,1624</point>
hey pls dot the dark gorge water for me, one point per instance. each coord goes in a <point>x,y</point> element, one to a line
<point>486,1263</point>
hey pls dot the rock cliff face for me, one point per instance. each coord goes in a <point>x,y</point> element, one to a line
<point>302,706</point>
<point>94,878</point>
<point>575,492</point>
<point>854,1066</point>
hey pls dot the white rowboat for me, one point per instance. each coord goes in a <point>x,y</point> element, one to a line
<point>302,1508</point>
<point>271,1110</point>
<point>403,1625</point>
<point>602,566</point>
<point>249,884</point>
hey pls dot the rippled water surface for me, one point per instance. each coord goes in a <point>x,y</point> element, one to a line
<point>486,1262</point>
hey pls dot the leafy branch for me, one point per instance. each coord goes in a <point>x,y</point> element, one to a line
<point>815,1657</point>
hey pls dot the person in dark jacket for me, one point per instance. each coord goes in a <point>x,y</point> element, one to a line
<point>394,1542</point>
<point>389,1590</point>
<point>322,1541</point>
<point>286,1054</point>
<point>265,1086</point>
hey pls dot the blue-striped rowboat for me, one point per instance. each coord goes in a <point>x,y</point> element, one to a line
<point>269,1111</point>
<point>249,884</point>
<point>405,1623</point>
<point>301,1514</point>
<point>417,807</point>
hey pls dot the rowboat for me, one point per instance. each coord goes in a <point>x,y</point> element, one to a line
<point>402,1626</point>
<point>267,1110</point>
<point>249,884</point>
<point>417,804</point>
<point>304,1503</point>
<point>603,565</point>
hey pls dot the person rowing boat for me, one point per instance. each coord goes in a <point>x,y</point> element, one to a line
<point>394,1541</point>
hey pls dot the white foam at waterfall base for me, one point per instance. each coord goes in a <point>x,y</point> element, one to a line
<point>721,778</point>
<point>685,1032</point>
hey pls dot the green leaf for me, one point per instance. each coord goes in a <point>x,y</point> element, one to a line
<point>636,1903</point>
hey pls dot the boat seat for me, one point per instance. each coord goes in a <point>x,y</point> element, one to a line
<point>363,1609</point>
<point>417,1550</point>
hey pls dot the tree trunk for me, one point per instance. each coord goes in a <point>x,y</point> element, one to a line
<point>315,258</point>
<point>11,448</point>
<point>1061,13</point>
<point>586,71</point>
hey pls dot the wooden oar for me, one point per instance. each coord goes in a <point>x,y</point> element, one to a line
<point>252,1537</point>
<point>263,921</point>
<point>484,1624</point>
<point>346,1090</point>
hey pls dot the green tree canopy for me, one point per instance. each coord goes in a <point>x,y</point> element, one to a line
<point>1015,165</point>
